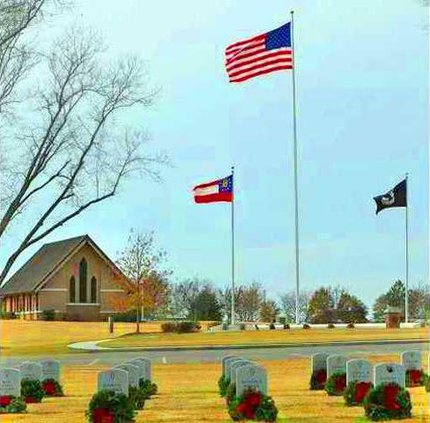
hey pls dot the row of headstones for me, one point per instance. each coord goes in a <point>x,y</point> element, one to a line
<point>11,377</point>
<point>246,374</point>
<point>358,370</point>
<point>125,375</point>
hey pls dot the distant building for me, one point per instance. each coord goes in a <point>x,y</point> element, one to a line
<point>73,278</point>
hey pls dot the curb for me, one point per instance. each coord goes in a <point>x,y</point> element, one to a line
<point>92,346</point>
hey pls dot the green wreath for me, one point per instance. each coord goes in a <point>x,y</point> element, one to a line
<point>355,393</point>
<point>52,388</point>
<point>318,380</point>
<point>223,383</point>
<point>119,405</point>
<point>32,390</point>
<point>230,392</point>
<point>388,401</point>
<point>137,396</point>
<point>252,405</point>
<point>148,388</point>
<point>336,384</point>
<point>427,383</point>
<point>15,405</point>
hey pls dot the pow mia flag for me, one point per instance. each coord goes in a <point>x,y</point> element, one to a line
<point>394,198</point>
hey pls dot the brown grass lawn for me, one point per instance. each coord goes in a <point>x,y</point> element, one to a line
<point>21,337</point>
<point>188,393</point>
<point>264,337</point>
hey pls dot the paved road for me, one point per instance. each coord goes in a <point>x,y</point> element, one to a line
<point>166,357</point>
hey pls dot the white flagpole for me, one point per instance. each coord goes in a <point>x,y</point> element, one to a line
<point>296,195</point>
<point>232,251</point>
<point>407,255</point>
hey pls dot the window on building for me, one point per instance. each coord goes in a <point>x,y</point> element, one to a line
<point>72,290</point>
<point>93,290</point>
<point>83,271</point>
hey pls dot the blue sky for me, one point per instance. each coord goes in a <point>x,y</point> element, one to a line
<point>362,75</point>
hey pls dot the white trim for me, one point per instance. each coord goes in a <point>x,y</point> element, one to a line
<point>112,290</point>
<point>110,312</point>
<point>83,304</point>
<point>54,290</point>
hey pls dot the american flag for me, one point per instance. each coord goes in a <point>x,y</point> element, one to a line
<point>259,55</point>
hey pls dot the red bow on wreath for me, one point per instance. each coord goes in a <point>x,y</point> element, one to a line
<point>414,377</point>
<point>5,400</point>
<point>340,383</point>
<point>321,376</point>
<point>249,405</point>
<point>390,397</point>
<point>49,388</point>
<point>103,415</point>
<point>361,390</point>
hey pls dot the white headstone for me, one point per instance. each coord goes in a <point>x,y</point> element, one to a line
<point>318,362</point>
<point>411,360</point>
<point>140,367</point>
<point>133,373</point>
<point>227,364</point>
<point>50,369</point>
<point>113,380</point>
<point>31,370</point>
<point>389,373</point>
<point>10,382</point>
<point>358,371</point>
<point>235,365</point>
<point>336,364</point>
<point>148,366</point>
<point>251,376</point>
<point>223,360</point>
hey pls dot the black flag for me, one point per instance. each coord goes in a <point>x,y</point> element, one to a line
<point>394,198</point>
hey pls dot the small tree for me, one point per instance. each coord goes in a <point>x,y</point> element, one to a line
<point>144,265</point>
<point>249,301</point>
<point>350,309</point>
<point>321,306</point>
<point>268,311</point>
<point>205,305</point>
<point>288,306</point>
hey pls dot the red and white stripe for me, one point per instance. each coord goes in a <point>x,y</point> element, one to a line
<point>249,58</point>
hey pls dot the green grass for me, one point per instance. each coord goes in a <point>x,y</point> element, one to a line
<point>264,337</point>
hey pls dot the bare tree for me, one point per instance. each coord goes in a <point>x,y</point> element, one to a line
<point>72,151</point>
<point>288,305</point>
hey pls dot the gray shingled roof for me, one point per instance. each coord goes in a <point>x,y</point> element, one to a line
<point>40,265</point>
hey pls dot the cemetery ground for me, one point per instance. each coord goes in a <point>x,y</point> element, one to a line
<point>189,393</point>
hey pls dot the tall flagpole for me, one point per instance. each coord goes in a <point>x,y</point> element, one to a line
<point>232,250</point>
<point>407,254</point>
<point>296,195</point>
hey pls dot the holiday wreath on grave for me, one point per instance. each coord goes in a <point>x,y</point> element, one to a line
<point>32,390</point>
<point>148,388</point>
<point>388,401</point>
<point>223,383</point>
<point>110,407</point>
<point>137,396</point>
<point>415,378</point>
<point>355,392</point>
<point>318,380</point>
<point>12,405</point>
<point>52,388</point>
<point>336,384</point>
<point>253,405</point>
